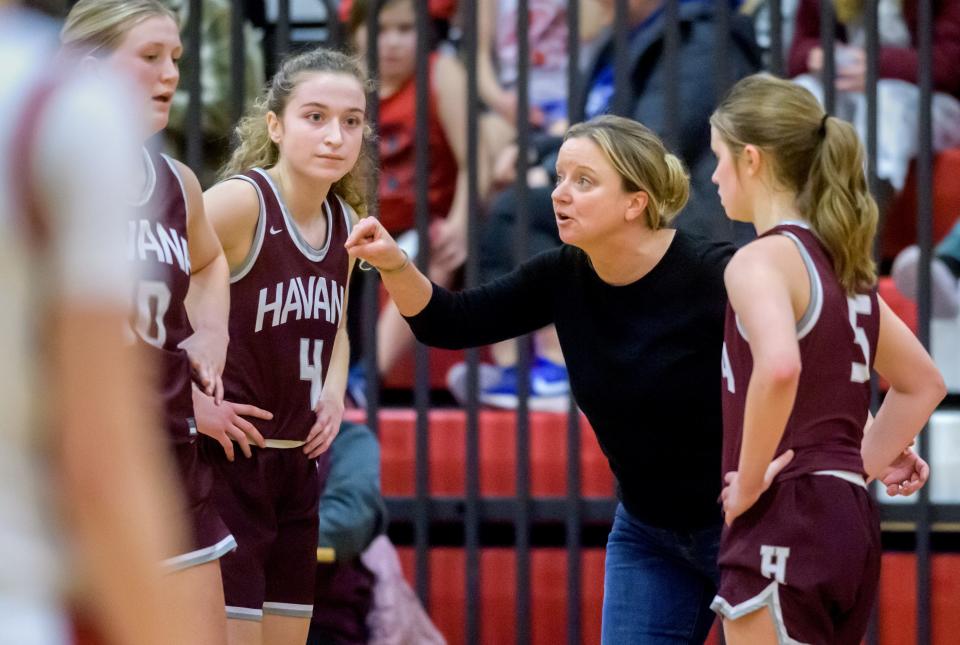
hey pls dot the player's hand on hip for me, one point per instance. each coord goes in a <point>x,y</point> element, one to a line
<point>736,500</point>
<point>370,242</point>
<point>906,475</point>
<point>325,428</point>
<point>225,423</point>
<point>207,350</point>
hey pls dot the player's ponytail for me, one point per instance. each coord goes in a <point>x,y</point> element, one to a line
<point>254,147</point>
<point>839,207</point>
<point>642,162</point>
<point>816,156</point>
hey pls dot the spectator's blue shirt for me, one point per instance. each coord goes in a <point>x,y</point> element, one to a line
<point>602,86</point>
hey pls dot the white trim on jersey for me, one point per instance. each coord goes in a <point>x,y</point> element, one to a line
<point>854,478</point>
<point>288,609</point>
<point>309,252</point>
<point>201,556</point>
<point>769,597</point>
<point>812,314</point>
<point>251,259</point>
<point>348,213</point>
<point>176,173</point>
<point>151,182</point>
<point>244,613</point>
<point>810,317</point>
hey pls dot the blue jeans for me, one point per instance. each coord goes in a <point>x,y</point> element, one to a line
<point>658,583</point>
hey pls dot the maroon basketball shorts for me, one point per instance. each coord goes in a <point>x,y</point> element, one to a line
<point>270,502</point>
<point>210,538</point>
<point>809,552</point>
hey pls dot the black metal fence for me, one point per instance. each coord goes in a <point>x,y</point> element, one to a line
<point>573,512</point>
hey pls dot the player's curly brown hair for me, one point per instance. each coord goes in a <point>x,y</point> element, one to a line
<point>255,148</point>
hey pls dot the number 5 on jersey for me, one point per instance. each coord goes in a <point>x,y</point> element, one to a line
<point>861,304</point>
<point>311,367</point>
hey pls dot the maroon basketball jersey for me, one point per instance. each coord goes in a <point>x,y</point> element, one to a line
<point>838,338</point>
<point>159,252</point>
<point>286,304</point>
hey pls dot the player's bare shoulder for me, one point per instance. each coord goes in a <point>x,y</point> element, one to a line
<point>773,252</point>
<point>233,208</point>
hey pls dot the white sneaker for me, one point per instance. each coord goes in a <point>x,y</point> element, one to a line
<point>487,375</point>
<point>944,289</point>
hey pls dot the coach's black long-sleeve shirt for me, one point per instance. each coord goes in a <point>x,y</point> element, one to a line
<point>643,358</point>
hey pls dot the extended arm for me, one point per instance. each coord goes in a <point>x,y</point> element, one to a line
<point>516,304</point>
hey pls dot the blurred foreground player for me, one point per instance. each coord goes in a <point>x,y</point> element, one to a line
<point>82,486</point>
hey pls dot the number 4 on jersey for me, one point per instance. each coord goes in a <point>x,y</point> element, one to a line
<point>311,367</point>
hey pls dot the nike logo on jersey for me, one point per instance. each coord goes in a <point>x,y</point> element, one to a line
<point>274,231</point>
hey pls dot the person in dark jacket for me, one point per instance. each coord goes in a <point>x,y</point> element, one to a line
<point>361,596</point>
<point>352,514</point>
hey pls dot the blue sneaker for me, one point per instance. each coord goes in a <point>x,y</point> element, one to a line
<point>357,385</point>
<point>549,388</point>
<point>549,379</point>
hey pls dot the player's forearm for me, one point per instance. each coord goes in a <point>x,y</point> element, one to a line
<point>335,384</point>
<point>899,420</point>
<point>770,398</point>
<point>208,300</point>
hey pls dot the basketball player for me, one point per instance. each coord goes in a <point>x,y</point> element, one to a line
<point>800,555</point>
<point>84,485</point>
<point>175,251</point>
<point>283,213</point>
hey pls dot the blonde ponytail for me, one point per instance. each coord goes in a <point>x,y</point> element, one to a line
<point>676,188</point>
<point>819,158</point>
<point>838,205</point>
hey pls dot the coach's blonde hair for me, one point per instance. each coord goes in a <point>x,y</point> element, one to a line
<point>255,148</point>
<point>818,157</point>
<point>98,26</point>
<point>642,162</point>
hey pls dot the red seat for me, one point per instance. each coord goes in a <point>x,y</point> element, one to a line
<point>548,453</point>
<point>401,377</point>
<point>905,308</point>
<point>900,229</point>
<point>498,579</point>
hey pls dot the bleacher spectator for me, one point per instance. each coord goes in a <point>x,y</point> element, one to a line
<point>898,65</point>
<point>361,595</point>
<point>447,180</point>
<point>649,79</point>
<point>944,274</point>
